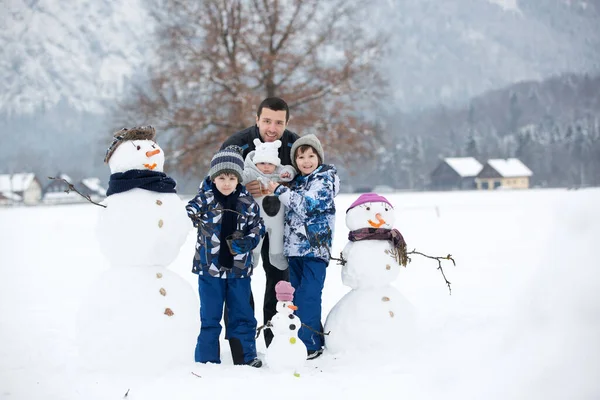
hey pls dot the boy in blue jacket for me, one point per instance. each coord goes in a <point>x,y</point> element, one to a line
<point>308,233</point>
<point>229,227</point>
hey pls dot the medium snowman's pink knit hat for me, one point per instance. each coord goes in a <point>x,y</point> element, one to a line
<point>369,198</point>
<point>284,291</point>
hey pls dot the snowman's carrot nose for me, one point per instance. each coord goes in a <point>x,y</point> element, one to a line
<point>380,222</point>
<point>293,307</point>
<point>153,152</point>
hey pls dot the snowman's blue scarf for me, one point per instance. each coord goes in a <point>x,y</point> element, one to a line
<point>140,178</point>
<point>392,235</point>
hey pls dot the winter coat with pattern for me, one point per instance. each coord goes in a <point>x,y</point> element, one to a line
<point>207,210</point>
<point>310,213</point>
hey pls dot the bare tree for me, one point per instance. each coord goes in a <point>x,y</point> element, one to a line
<point>217,59</point>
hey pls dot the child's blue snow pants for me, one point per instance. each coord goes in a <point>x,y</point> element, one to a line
<point>241,324</point>
<point>307,276</point>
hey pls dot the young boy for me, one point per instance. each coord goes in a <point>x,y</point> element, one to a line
<point>229,227</point>
<point>308,233</point>
<point>264,165</point>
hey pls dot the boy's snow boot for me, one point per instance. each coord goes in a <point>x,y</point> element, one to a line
<point>312,354</point>
<point>256,363</point>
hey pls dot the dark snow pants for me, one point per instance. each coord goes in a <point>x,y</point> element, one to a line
<point>273,275</point>
<point>241,324</point>
<point>307,276</point>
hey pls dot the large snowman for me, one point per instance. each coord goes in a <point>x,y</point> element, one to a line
<point>286,353</point>
<point>373,318</point>
<point>139,316</point>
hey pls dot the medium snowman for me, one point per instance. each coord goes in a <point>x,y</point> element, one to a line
<point>286,352</point>
<point>139,316</point>
<point>373,318</point>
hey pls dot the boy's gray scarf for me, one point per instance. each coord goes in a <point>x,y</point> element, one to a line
<point>393,235</point>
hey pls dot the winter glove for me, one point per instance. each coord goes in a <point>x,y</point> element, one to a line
<point>239,246</point>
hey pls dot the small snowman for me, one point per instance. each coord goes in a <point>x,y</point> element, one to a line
<point>139,316</point>
<point>373,318</point>
<point>286,352</point>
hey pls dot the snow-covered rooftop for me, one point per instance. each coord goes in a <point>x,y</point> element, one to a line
<point>10,196</point>
<point>16,182</point>
<point>94,185</point>
<point>464,166</point>
<point>510,167</point>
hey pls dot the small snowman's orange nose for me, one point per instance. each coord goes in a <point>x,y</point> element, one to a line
<point>380,222</point>
<point>152,153</point>
<point>293,307</point>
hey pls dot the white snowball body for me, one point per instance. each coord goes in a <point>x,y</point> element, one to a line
<point>142,228</point>
<point>371,321</point>
<point>124,321</point>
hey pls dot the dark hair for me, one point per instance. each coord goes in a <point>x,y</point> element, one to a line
<point>301,149</point>
<point>275,104</point>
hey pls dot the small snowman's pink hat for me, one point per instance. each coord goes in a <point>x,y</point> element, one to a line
<point>284,291</point>
<point>369,198</point>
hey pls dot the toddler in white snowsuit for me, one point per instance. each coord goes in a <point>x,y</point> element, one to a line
<point>263,164</point>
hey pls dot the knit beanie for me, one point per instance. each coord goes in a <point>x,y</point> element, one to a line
<point>227,161</point>
<point>125,134</point>
<point>266,152</point>
<point>310,140</point>
<point>369,198</point>
<point>284,291</point>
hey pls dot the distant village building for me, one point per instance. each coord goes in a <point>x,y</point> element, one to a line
<point>456,173</point>
<point>22,187</point>
<point>56,191</point>
<point>510,173</point>
<point>9,199</point>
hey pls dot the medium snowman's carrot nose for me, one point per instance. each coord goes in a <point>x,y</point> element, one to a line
<point>293,307</point>
<point>380,222</point>
<point>152,153</point>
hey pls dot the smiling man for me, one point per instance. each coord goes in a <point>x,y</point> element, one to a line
<point>272,118</point>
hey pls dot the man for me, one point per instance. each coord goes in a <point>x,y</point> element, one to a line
<point>272,118</point>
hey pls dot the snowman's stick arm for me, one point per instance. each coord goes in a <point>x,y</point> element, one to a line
<point>72,188</point>
<point>260,328</point>
<point>439,260</point>
<point>311,329</point>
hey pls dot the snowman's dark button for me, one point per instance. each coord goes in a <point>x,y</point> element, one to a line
<point>292,327</point>
<point>291,316</point>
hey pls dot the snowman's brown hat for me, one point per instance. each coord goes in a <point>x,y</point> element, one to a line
<point>125,134</point>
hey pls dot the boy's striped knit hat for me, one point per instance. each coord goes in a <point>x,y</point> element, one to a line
<point>229,161</point>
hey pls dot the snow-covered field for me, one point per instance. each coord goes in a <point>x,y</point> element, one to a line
<point>523,320</point>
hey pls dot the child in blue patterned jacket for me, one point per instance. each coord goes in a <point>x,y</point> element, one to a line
<point>229,227</point>
<point>308,233</point>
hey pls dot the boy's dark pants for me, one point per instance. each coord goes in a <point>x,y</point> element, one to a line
<point>273,275</point>
<point>241,324</point>
<point>307,276</point>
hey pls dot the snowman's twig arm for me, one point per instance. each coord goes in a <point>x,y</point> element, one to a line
<point>72,188</point>
<point>311,329</point>
<point>439,260</point>
<point>260,328</point>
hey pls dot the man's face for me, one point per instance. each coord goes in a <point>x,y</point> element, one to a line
<point>271,124</point>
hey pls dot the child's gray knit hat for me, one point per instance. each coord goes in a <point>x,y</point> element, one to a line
<point>227,161</point>
<point>310,140</point>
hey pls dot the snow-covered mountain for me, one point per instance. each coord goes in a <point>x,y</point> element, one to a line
<point>83,52</point>
<point>448,51</point>
<point>87,51</point>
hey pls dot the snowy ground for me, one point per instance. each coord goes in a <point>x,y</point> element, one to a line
<point>523,320</point>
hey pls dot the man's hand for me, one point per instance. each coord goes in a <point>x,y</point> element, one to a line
<point>254,188</point>
<point>285,175</point>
